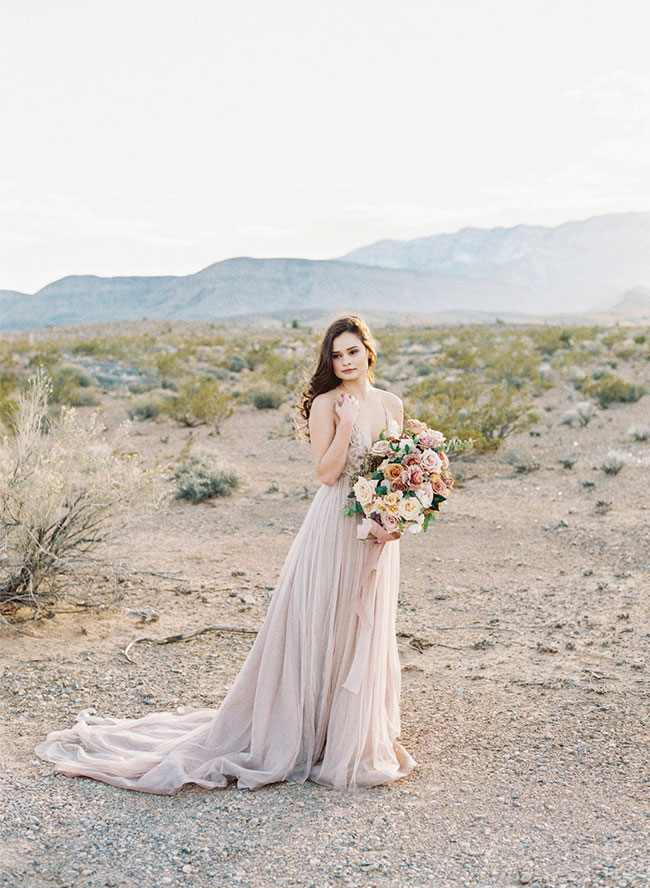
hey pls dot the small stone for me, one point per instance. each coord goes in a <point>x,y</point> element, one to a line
<point>525,878</point>
<point>188,868</point>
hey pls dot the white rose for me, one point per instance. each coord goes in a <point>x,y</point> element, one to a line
<point>364,491</point>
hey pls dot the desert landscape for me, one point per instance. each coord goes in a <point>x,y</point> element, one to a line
<point>523,619</point>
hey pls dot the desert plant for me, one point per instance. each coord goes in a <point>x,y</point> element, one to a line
<point>640,432</point>
<point>201,477</point>
<point>468,408</point>
<point>146,408</point>
<point>270,399</point>
<point>608,389</point>
<point>521,460</point>
<point>62,485</point>
<point>613,462</point>
<point>201,401</point>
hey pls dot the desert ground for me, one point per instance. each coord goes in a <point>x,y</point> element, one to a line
<point>524,632</point>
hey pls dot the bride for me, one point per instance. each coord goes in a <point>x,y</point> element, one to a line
<point>318,695</point>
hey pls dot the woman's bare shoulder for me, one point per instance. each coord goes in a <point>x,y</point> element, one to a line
<point>324,403</point>
<point>393,402</point>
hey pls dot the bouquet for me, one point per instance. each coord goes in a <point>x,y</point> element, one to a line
<point>404,478</point>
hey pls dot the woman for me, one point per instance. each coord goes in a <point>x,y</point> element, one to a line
<point>318,695</point>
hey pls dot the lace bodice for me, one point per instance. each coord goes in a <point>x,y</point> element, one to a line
<point>360,445</point>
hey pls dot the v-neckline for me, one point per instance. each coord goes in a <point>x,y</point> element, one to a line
<point>388,420</point>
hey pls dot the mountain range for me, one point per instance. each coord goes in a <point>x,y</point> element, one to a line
<point>576,267</point>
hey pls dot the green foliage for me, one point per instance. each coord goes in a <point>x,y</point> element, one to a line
<point>201,401</point>
<point>468,408</point>
<point>268,400</point>
<point>202,477</point>
<point>607,388</point>
<point>146,408</point>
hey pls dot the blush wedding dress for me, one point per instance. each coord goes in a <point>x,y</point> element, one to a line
<point>316,699</point>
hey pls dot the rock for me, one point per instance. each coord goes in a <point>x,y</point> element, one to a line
<point>525,878</point>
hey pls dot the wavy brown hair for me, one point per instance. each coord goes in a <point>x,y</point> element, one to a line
<point>323,379</point>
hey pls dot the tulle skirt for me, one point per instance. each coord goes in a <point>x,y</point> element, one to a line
<point>316,699</point>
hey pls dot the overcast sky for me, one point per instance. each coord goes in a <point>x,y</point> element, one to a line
<point>159,136</point>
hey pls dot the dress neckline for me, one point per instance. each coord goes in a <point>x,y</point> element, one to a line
<point>387,416</point>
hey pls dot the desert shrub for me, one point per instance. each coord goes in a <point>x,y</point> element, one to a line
<point>201,401</point>
<point>548,340</point>
<point>521,460</point>
<point>468,408</point>
<point>613,462</point>
<point>640,339</point>
<point>237,364</point>
<point>73,386</point>
<point>269,399</point>
<point>201,477</point>
<point>580,415</point>
<point>607,388</point>
<point>640,432</point>
<point>62,485</point>
<point>146,408</point>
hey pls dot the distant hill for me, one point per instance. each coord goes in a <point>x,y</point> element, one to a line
<point>512,272</point>
<point>576,266</point>
<point>244,287</point>
<point>635,303</point>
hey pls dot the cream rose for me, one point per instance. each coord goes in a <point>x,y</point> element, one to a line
<point>425,494</point>
<point>392,500</point>
<point>364,491</point>
<point>381,448</point>
<point>409,508</point>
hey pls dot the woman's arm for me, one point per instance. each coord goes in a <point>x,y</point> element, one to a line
<point>329,441</point>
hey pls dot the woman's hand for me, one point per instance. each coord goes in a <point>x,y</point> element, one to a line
<point>347,408</point>
<point>382,535</point>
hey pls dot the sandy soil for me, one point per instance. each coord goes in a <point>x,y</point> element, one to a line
<point>524,636</point>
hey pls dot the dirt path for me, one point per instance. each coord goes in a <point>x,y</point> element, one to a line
<point>525,699</point>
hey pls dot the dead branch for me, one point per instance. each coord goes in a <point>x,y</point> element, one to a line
<point>169,639</point>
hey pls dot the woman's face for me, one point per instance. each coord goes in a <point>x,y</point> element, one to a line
<point>349,357</point>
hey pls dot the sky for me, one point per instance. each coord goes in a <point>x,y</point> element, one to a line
<point>146,137</point>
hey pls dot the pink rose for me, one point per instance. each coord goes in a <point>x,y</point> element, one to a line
<point>390,522</point>
<point>430,438</point>
<point>440,487</point>
<point>444,459</point>
<point>411,459</point>
<point>381,448</point>
<point>402,482</point>
<point>431,462</point>
<point>416,425</point>
<point>416,476</point>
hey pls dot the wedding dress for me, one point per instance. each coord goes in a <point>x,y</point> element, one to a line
<point>316,699</point>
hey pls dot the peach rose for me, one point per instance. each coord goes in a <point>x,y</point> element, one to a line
<point>444,459</point>
<point>411,459</point>
<point>431,462</point>
<point>416,425</point>
<point>392,471</point>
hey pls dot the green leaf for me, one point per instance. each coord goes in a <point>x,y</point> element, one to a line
<point>360,508</point>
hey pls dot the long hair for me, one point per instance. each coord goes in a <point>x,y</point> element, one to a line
<point>323,378</point>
